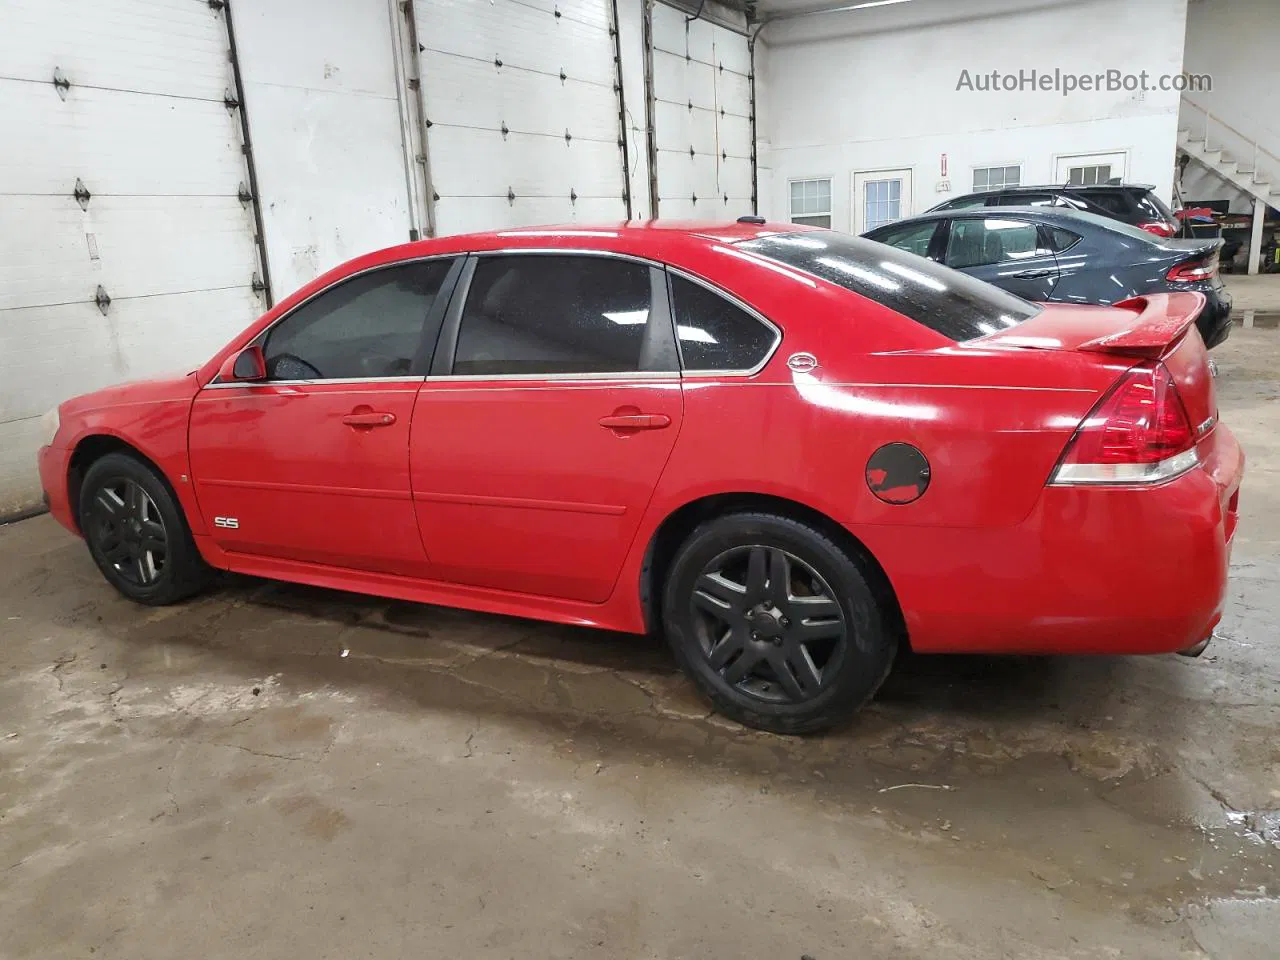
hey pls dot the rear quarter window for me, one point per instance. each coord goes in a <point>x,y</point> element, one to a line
<point>946,301</point>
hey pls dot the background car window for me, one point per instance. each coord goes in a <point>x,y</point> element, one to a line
<point>964,203</point>
<point>1113,202</point>
<point>715,334</point>
<point>368,326</point>
<point>540,314</point>
<point>1061,239</point>
<point>911,237</point>
<point>946,301</point>
<point>1025,200</point>
<point>1152,206</point>
<point>978,242</point>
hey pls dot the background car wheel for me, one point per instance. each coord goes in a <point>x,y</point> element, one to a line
<point>775,623</point>
<point>137,533</point>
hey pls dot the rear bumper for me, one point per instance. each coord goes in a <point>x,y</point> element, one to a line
<point>53,463</point>
<point>1215,322</point>
<point>1090,571</point>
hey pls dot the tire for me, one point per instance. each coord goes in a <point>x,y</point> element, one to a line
<point>788,662</point>
<point>137,533</point>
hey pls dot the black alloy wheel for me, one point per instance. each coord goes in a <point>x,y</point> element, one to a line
<point>778,625</point>
<point>769,624</point>
<point>137,533</point>
<point>127,529</point>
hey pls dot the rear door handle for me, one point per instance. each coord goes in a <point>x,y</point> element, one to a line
<point>370,419</point>
<point>636,421</point>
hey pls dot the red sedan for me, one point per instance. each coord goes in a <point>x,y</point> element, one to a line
<point>791,450</point>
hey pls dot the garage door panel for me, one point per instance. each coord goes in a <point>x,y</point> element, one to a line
<point>174,47</point>
<point>117,143</point>
<point>470,214</point>
<point>503,30</point>
<point>466,93</point>
<point>668,28</point>
<point>45,347</point>
<point>735,178</point>
<point>144,246</point>
<point>678,128</point>
<point>734,134</point>
<point>679,81</point>
<point>696,175</point>
<point>474,163</point>
<point>733,92</point>
<point>592,13</point>
<point>732,53</point>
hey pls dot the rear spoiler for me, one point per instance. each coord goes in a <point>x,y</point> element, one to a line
<point>1162,319</point>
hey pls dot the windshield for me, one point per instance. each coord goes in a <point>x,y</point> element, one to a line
<point>944,300</point>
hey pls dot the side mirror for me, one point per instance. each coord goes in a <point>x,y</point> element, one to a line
<point>246,366</point>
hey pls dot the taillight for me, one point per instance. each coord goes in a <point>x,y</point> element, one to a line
<point>1138,433</point>
<point>1191,270</point>
<point>1161,228</point>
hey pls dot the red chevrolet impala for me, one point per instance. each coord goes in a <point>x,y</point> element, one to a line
<point>791,450</point>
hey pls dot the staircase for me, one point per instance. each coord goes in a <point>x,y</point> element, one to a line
<point>1233,157</point>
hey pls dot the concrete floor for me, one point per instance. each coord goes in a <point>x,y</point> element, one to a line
<point>273,771</point>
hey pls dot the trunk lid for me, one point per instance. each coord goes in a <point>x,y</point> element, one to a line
<point>1155,327</point>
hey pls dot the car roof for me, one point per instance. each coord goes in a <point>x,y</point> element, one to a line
<point>1069,186</point>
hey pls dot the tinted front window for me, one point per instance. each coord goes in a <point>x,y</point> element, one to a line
<point>981,241</point>
<point>944,300</point>
<point>539,314</point>
<point>911,237</point>
<point>368,326</point>
<point>715,334</point>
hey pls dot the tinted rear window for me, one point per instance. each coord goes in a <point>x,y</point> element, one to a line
<point>944,300</point>
<point>1152,206</point>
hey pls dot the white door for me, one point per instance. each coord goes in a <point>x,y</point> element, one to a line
<point>324,117</point>
<point>136,116</point>
<point>522,111</point>
<point>1091,168</point>
<point>880,197</point>
<point>701,118</point>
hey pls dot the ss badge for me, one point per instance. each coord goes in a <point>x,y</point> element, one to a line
<point>227,523</point>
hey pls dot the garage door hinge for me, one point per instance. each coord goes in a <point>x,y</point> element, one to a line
<point>435,197</point>
<point>82,194</point>
<point>691,152</point>
<point>245,196</point>
<point>557,13</point>
<point>511,196</point>
<point>256,283</point>
<point>216,4</point>
<point>61,83</point>
<point>691,106</point>
<point>504,130</point>
<point>229,100</point>
<point>497,62</point>
<point>563,75</point>
<point>414,83</point>
<point>695,198</point>
<point>102,299</point>
<point>573,195</point>
<point>568,137</point>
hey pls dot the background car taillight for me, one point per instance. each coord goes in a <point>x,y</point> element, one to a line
<point>1191,270</point>
<point>1161,228</point>
<point>1138,433</point>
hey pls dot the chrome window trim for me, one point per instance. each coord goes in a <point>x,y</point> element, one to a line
<point>673,375</point>
<point>265,332</point>
<point>733,300</point>
<point>226,384</point>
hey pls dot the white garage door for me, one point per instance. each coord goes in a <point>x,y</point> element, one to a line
<point>522,110</point>
<point>141,124</point>
<point>702,117</point>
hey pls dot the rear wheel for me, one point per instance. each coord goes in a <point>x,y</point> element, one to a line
<point>137,534</point>
<point>775,623</point>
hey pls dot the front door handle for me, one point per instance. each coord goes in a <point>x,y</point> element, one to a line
<point>1034,274</point>
<point>636,421</point>
<point>371,418</point>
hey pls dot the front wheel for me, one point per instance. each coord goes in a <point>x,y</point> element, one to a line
<point>775,623</point>
<point>137,534</point>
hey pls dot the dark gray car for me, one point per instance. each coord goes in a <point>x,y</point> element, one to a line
<point>1067,256</point>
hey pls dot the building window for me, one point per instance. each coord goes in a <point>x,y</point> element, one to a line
<point>811,202</point>
<point>882,202</point>
<point>1089,175</point>
<point>996,178</point>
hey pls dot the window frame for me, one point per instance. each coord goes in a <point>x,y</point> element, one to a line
<point>422,358</point>
<point>829,214</point>
<point>732,301</point>
<point>660,303</point>
<point>937,246</point>
<point>1041,240</point>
